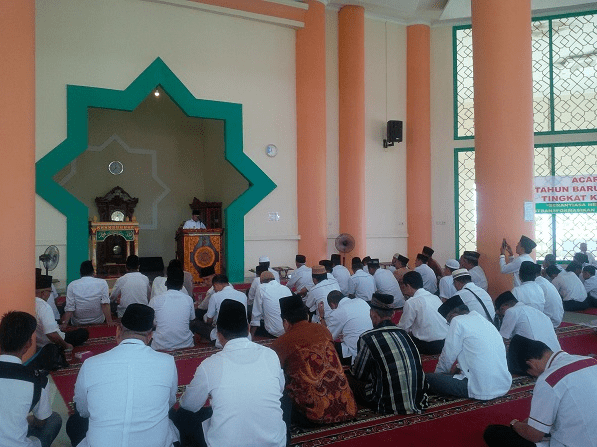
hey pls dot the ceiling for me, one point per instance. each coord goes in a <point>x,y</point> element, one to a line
<point>447,11</point>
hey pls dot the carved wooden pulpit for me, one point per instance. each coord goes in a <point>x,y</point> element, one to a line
<point>198,249</point>
<point>116,236</point>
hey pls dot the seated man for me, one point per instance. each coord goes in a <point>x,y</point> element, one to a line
<point>470,261</point>
<point>266,320</point>
<point>244,383</point>
<point>21,390</point>
<point>322,286</point>
<point>265,262</point>
<point>529,292</point>
<point>482,370</point>
<point>300,280</point>
<point>420,319</point>
<point>387,375</point>
<point>122,396</point>
<point>386,283</point>
<point>432,263</point>
<point>255,284</point>
<point>340,272</point>
<point>590,257</point>
<point>174,311</point>
<point>472,295</point>
<point>550,259</point>
<point>446,283</point>
<point>361,284</point>
<point>133,287</point>
<point>347,321</point>
<point>315,381</point>
<point>47,331</point>
<point>158,286</point>
<point>87,300</point>
<point>588,273</point>
<point>521,319</point>
<point>553,308</point>
<point>523,249</point>
<point>426,272</point>
<point>401,264</point>
<point>564,400</point>
<point>570,288</point>
<point>194,223</point>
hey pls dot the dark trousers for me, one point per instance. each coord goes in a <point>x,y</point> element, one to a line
<point>49,431</point>
<point>190,425</point>
<point>76,428</point>
<point>345,361</point>
<point>504,436</point>
<point>572,305</point>
<point>76,337</point>
<point>428,347</point>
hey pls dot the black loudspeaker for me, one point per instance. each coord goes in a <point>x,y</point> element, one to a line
<point>394,131</point>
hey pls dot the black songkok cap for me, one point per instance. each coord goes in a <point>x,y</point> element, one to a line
<point>403,259</point>
<point>356,260</point>
<point>138,317</point>
<point>527,268</point>
<point>374,263</point>
<point>517,353</point>
<point>382,301</point>
<point>232,316</point>
<point>289,304</point>
<point>449,305</point>
<point>527,243</point>
<point>175,275</point>
<point>206,271</point>
<point>504,298</point>
<point>301,259</point>
<point>428,251</point>
<point>335,257</point>
<point>423,258</point>
<point>471,255</point>
<point>196,212</point>
<point>43,282</point>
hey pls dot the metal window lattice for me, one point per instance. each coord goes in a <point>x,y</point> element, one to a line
<point>467,201</point>
<point>564,61</point>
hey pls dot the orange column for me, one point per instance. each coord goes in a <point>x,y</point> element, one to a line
<point>503,82</point>
<point>17,182</point>
<point>311,134</point>
<point>418,138</point>
<point>351,117</point>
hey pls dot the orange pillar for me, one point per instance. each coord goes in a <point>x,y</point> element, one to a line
<point>503,83</point>
<point>311,134</point>
<point>351,124</point>
<point>418,138</point>
<point>17,182</point>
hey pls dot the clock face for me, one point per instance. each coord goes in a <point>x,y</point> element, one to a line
<point>271,150</point>
<point>117,216</point>
<point>115,168</point>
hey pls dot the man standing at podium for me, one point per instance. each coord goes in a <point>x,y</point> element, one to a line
<point>194,223</point>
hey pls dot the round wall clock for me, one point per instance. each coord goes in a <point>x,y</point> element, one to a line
<point>115,168</point>
<point>117,216</point>
<point>271,150</point>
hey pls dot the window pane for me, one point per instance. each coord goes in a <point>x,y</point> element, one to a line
<point>464,83</point>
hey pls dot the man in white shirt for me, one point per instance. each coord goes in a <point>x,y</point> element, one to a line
<point>123,396</point>
<point>446,283</point>
<point>428,275</point>
<point>347,321</point>
<point>553,308</point>
<point>529,292</point>
<point>194,223</point>
<point>472,295</point>
<point>427,328</point>
<point>521,319</point>
<point>133,287</point>
<point>244,383</point>
<point>266,319</point>
<point>322,286</point>
<point>386,283</point>
<point>87,300</point>
<point>588,273</point>
<point>22,391</point>
<point>301,278</point>
<point>564,400</point>
<point>590,257</point>
<point>482,371</point>
<point>265,262</point>
<point>223,291</point>
<point>570,288</point>
<point>470,261</point>
<point>158,285</point>
<point>340,272</point>
<point>523,249</point>
<point>361,284</point>
<point>174,312</point>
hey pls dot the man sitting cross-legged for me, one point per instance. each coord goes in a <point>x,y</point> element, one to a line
<point>322,286</point>
<point>244,383</point>
<point>421,319</point>
<point>570,288</point>
<point>300,280</point>
<point>386,283</point>
<point>133,287</point>
<point>22,390</point>
<point>473,361</point>
<point>174,311</point>
<point>317,390</point>
<point>588,273</point>
<point>473,296</point>
<point>553,308</point>
<point>122,397</point>
<point>564,401</point>
<point>529,292</point>
<point>87,300</point>
<point>387,375</point>
<point>361,284</point>
<point>266,320</point>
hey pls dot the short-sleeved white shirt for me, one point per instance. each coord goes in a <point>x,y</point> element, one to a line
<point>342,275</point>
<point>361,285</point>
<point>529,322</point>
<point>350,319</point>
<point>421,317</point>
<point>553,308</point>
<point>565,401</point>
<point>267,307</point>
<point>446,287</point>
<point>467,294</point>
<point>386,282</point>
<point>569,286</point>
<point>173,312</point>
<point>46,324</point>
<point>530,293</point>
<point>132,288</point>
<point>429,278</point>
<point>227,293</point>
<point>84,297</point>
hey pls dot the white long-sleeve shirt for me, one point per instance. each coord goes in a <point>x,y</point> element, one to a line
<point>553,308</point>
<point>531,323</point>
<point>350,319</point>
<point>514,266</point>
<point>530,293</point>
<point>267,307</point>
<point>421,317</point>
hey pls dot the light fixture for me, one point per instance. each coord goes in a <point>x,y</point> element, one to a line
<point>156,93</point>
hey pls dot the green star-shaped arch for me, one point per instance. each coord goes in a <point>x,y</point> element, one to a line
<point>80,98</point>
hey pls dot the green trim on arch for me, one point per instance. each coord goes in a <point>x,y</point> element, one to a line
<point>80,98</point>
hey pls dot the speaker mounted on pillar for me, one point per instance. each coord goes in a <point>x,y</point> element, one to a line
<point>394,133</point>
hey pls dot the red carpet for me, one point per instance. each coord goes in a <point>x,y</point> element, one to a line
<point>589,311</point>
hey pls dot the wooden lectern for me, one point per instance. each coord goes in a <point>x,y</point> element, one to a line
<point>198,249</point>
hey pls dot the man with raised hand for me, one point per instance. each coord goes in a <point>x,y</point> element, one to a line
<point>511,265</point>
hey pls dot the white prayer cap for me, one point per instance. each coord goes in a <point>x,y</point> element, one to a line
<point>452,264</point>
<point>263,259</point>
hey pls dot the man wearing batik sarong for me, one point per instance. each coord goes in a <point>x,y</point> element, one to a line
<point>387,375</point>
